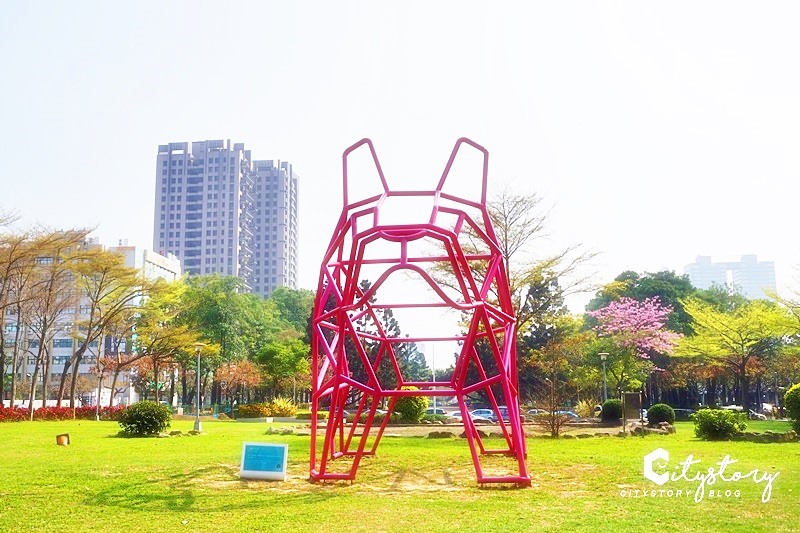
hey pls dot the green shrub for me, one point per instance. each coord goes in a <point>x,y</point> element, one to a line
<point>254,410</point>
<point>394,419</point>
<point>411,408</point>
<point>611,410</point>
<point>585,408</point>
<point>434,418</point>
<point>660,412</point>
<point>791,401</point>
<point>282,407</point>
<point>321,415</point>
<point>145,418</point>
<point>718,424</point>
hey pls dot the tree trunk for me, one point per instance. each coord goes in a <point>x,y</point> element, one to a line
<point>171,387</point>
<point>75,361</point>
<point>2,357</point>
<point>15,357</point>
<point>155,381</point>
<point>32,394</point>
<point>184,398</point>
<point>13,379</point>
<point>34,379</point>
<point>114,386</point>
<point>2,371</point>
<point>74,382</point>
<point>744,386</point>
<point>45,376</point>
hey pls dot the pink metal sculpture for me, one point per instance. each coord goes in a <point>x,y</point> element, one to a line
<point>340,339</point>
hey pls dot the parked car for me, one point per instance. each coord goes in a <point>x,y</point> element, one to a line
<point>487,414</point>
<point>503,412</point>
<point>436,411</point>
<point>732,407</point>
<point>456,415</point>
<point>683,414</point>
<point>535,412</point>
<point>569,414</point>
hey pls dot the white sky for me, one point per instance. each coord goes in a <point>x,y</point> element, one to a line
<point>660,131</point>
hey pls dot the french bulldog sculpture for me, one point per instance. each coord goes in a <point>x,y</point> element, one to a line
<point>356,363</point>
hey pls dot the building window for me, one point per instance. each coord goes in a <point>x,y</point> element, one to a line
<point>62,343</point>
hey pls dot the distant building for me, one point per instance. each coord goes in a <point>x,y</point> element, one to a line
<point>749,276</point>
<point>152,265</point>
<point>220,211</point>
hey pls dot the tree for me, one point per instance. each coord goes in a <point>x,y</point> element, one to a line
<point>20,285</point>
<point>108,290</point>
<point>636,331</point>
<point>557,361</point>
<point>237,377</point>
<point>294,305</point>
<point>239,324</point>
<point>53,293</point>
<point>120,330</point>
<point>538,282</point>
<point>161,334</point>
<point>667,286</point>
<point>736,338</point>
<point>284,358</point>
<point>520,222</point>
<point>16,262</point>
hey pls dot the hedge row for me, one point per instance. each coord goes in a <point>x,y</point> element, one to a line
<point>17,414</point>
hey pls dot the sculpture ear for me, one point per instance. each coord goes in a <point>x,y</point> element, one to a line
<point>360,165</point>
<point>472,172</point>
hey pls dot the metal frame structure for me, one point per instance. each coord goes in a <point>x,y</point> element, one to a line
<point>339,343</point>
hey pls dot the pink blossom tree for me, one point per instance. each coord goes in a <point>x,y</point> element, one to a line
<point>636,330</point>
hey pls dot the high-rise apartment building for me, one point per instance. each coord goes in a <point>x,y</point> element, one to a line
<point>220,211</point>
<point>749,277</point>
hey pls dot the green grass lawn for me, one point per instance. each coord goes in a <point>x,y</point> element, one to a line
<point>104,483</point>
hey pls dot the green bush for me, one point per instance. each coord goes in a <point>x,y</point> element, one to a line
<point>660,412</point>
<point>145,418</point>
<point>434,418</point>
<point>791,401</point>
<point>255,410</point>
<point>611,410</point>
<point>394,419</point>
<point>411,408</point>
<point>282,407</point>
<point>321,415</point>
<point>718,424</point>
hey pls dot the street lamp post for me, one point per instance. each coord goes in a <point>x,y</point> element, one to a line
<point>603,356</point>
<point>197,425</point>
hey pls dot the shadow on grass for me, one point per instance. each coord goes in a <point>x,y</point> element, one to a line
<point>206,489</point>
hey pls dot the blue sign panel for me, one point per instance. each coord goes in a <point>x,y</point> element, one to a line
<point>261,460</point>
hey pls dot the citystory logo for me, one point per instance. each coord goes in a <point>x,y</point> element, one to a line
<point>656,469</point>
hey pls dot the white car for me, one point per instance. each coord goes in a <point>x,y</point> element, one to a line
<point>456,415</point>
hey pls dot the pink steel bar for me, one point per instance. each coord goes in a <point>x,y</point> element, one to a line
<point>338,342</point>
